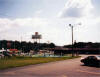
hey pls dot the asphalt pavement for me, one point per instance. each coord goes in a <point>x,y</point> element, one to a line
<point>66,68</point>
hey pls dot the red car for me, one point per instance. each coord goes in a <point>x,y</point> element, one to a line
<point>91,60</point>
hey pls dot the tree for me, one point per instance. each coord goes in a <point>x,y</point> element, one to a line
<point>4,44</point>
<point>51,45</point>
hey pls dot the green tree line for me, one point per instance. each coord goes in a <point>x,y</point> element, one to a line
<point>24,46</point>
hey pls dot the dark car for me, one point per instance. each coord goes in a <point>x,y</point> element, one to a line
<point>91,60</point>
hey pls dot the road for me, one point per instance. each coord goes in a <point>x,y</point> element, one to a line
<point>66,68</point>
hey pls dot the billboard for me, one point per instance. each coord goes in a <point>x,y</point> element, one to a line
<point>36,37</point>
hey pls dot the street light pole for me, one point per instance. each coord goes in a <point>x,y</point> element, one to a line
<point>72,39</point>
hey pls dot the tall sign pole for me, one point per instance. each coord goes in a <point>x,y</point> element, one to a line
<point>37,37</point>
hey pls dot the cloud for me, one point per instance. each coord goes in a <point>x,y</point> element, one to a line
<point>76,8</point>
<point>96,10</point>
<point>38,13</point>
<point>6,23</point>
<point>14,28</point>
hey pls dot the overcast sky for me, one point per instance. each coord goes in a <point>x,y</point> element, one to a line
<point>51,18</point>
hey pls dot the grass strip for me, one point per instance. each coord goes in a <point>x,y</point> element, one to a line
<point>23,61</point>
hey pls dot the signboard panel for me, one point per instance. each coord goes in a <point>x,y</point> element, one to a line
<point>36,37</point>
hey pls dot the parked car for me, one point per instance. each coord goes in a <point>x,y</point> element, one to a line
<point>91,60</point>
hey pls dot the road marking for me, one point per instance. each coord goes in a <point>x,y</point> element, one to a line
<point>89,72</point>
